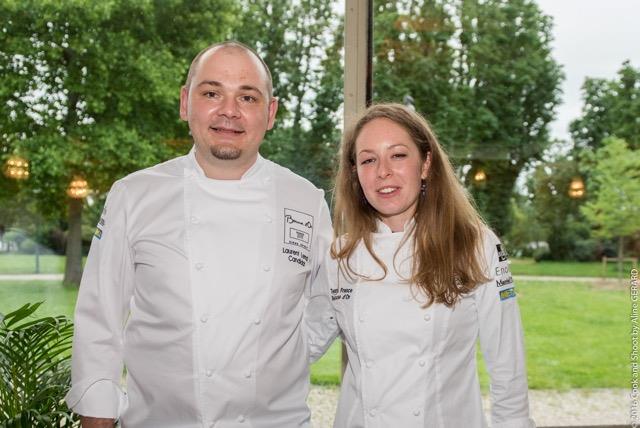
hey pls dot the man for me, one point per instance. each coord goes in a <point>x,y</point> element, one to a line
<point>199,271</point>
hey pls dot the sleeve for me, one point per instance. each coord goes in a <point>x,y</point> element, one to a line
<point>502,342</point>
<point>101,310</point>
<point>320,325</point>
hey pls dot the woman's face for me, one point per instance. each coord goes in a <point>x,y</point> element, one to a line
<point>390,170</point>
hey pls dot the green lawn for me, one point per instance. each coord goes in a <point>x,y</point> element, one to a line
<point>531,267</point>
<point>577,336</point>
<point>26,263</point>
<point>58,300</point>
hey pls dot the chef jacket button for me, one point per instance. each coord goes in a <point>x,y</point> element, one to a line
<point>361,318</point>
<point>240,418</point>
<point>427,317</point>
<point>257,321</point>
<point>369,364</point>
<point>266,268</point>
<point>373,413</point>
<point>204,319</point>
<point>268,218</point>
<point>422,363</point>
<point>247,374</point>
<point>195,220</point>
<point>416,412</point>
<point>267,180</point>
<point>209,373</point>
<point>212,424</point>
<point>199,266</point>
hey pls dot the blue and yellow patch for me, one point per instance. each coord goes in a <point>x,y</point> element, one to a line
<point>98,233</point>
<point>508,293</point>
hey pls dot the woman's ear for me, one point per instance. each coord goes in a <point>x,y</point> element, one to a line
<point>426,165</point>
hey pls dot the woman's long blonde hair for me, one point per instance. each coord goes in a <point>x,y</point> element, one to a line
<point>448,230</point>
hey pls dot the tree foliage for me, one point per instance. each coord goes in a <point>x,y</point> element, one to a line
<point>564,226</point>
<point>300,41</point>
<point>92,89</point>
<point>483,74</point>
<point>611,108</point>
<point>613,209</point>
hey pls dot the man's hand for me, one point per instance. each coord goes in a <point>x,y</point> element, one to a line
<point>89,422</point>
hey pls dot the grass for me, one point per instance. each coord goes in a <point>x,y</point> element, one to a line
<point>58,300</point>
<point>26,263</point>
<point>550,268</point>
<point>326,371</point>
<point>577,336</point>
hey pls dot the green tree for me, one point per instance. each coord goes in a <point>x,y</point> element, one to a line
<point>613,209</point>
<point>527,232</point>
<point>611,108</point>
<point>296,39</point>
<point>565,228</point>
<point>510,82</point>
<point>92,89</point>
<point>483,74</point>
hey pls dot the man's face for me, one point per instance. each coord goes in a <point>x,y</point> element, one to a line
<point>227,105</point>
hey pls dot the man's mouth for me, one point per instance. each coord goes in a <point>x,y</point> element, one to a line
<point>225,130</point>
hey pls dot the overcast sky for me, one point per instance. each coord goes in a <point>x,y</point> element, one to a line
<point>592,38</point>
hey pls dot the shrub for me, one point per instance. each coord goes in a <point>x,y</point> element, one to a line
<point>34,369</point>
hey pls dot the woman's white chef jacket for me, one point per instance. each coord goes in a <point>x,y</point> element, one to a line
<point>197,286</point>
<point>415,367</point>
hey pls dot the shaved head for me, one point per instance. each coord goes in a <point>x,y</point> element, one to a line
<point>231,45</point>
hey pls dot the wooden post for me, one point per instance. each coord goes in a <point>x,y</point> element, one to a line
<point>358,45</point>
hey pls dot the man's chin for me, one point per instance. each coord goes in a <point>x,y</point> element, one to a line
<point>225,152</point>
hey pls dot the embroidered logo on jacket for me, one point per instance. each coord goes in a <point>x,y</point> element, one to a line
<point>506,281</point>
<point>298,228</point>
<point>502,253</point>
<point>100,226</point>
<point>341,293</point>
<point>508,293</point>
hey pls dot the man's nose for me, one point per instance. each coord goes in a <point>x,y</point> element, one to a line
<point>230,108</point>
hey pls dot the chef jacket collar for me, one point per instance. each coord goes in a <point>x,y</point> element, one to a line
<point>383,229</point>
<point>252,172</point>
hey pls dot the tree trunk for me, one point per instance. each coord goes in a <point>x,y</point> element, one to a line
<point>73,264</point>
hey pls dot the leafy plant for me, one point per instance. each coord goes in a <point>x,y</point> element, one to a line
<point>34,369</point>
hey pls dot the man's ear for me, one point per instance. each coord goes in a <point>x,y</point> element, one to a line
<point>273,109</point>
<point>184,103</point>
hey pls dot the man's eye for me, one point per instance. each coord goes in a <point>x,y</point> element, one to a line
<point>248,99</point>
<point>210,94</point>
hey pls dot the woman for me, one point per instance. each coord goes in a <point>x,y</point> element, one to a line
<point>414,279</point>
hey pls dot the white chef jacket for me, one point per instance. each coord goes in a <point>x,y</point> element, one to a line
<point>415,367</point>
<point>197,286</point>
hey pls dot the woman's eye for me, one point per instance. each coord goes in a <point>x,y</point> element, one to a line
<point>366,161</point>
<point>400,155</point>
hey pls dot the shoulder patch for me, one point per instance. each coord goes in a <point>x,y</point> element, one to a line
<point>101,223</point>
<point>508,293</point>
